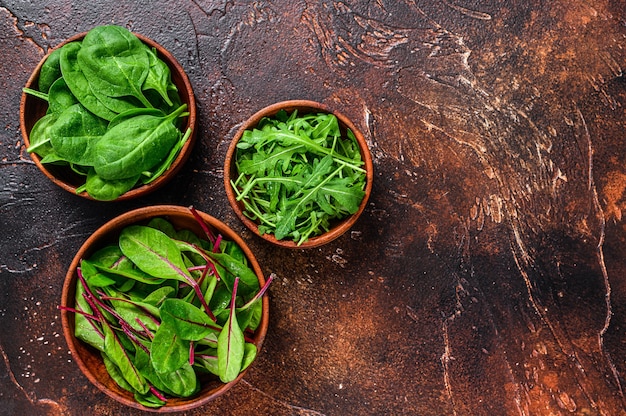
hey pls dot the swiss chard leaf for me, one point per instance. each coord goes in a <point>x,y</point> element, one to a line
<point>230,345</point>
<point>153,252</point>
<point>189,322</point>
<point>118,354</point>
<point>168,352</point>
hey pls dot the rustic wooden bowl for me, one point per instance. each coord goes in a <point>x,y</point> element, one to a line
<point>33,108</point>
<point>303,107</point>
<point>88,358</point>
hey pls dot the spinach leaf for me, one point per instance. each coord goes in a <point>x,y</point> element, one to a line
<point>167,162</point>
<point>133,112</point>
<point>75,133</point>
<point>50,71</point>
<point>40,135</point>
<point>78,84</point>
<point>159,77</point>
<point>135,145</point>
<point>115,62</point>
<point>60,97</point>
<point>107,190</point>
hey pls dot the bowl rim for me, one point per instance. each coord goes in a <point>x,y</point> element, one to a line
<point>180,160</point>
<point>310,106</point>
<point>111,229</point>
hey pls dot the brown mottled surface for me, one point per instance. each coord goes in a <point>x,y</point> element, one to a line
<point>486,276</point>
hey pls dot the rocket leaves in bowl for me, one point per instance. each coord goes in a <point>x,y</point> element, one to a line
<point>166,309</point>
<point>113,112</point>
<point>297,174</point>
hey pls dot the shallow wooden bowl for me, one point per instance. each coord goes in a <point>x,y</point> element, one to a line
<point>303,107</point>
<point>88,358</point>
<point>33,108</point>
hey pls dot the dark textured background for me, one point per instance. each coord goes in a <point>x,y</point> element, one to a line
<point>487,274</point>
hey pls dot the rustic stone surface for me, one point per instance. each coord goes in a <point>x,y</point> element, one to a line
<point>486,275</point>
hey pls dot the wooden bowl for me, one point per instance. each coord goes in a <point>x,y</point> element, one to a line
<point>303,107</point>
<point>33,108</point>
<point>88,358</point>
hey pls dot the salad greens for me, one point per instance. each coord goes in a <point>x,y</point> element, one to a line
<point>166,308</point>
<point>298,174</point>
<point>113,112</point>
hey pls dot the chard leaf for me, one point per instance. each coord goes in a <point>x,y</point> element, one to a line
<point>230,345</point>
<point>168,351</point>
<point>86,329</point>
<point>115,373</point>
<point>153,252</point>
<point>118,354</point>
<point>189,322</point>
<point>182,382</point>
<point>249,354</point>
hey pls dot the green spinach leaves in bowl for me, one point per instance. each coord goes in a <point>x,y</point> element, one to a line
<point>120,113</point>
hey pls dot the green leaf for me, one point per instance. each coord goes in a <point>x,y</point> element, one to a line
<point>60,97</point>
<point>153,252</point>
<point>168,352</point>
<point>158,170</point>
<point>115,373</point>
<point>119,356</point>
<point>249,355</point>
<point>85,329</point>
<point>39,136</point>
<point>135,145</point>
<point>230,346</point>
<point>189,322</point>
<point>163,225</point>
<point>182,382</point>
<point>115,62</point>
<point>230,267</point>
<point>159,77</point>
<point>108,190</point>
<point>50,71</point>
<point>78,84</point>
<point>75,134</point>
